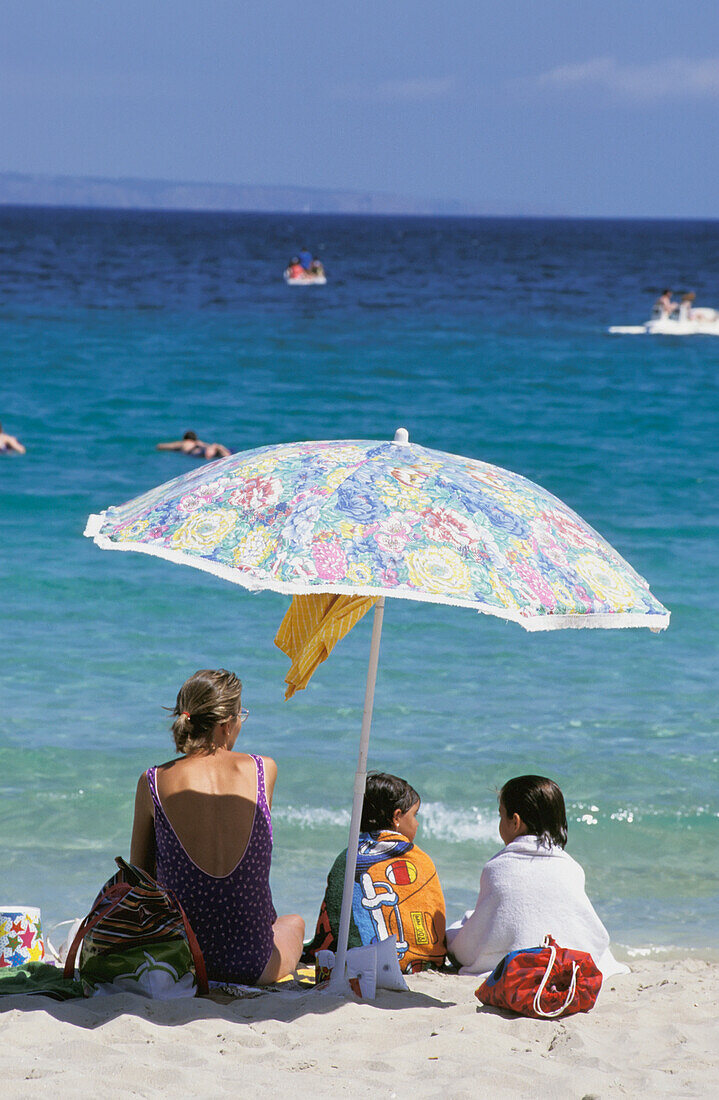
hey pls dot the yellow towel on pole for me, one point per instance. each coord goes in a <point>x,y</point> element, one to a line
<point>311,629</point>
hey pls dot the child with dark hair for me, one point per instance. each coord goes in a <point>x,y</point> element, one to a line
<point>531,888</point>
<point>388,801</point>
<point>396,888</point>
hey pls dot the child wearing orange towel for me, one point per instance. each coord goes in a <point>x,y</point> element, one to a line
<point>396,889</point>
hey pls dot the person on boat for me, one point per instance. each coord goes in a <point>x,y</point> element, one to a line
<point>203,829</point>
<point>317,269</point>
<point>295,269</point>
<point>306,259</point>
<point>664,306</point>
<point>685,307</point>
<point>195,448</point>
<point>9,444</point>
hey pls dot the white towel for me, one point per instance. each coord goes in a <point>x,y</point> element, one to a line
<point>526,891</point>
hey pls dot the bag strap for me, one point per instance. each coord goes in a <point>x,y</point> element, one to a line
<point>195,949</point>
<point>115,893</point>
<point>570,992</point>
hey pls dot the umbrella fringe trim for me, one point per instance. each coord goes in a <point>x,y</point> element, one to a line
<point>532,623</point>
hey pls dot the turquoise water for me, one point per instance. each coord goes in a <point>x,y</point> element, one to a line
<point>483,337</point>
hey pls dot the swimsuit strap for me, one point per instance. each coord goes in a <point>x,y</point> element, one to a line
<point>261,792</point>
<point>262,803</point>
<point>151,774</point>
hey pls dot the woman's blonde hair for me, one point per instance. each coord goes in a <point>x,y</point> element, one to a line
<point>207,698</point>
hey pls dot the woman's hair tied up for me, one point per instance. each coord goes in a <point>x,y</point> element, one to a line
<point>209,697</point>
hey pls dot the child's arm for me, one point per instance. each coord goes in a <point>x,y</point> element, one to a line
<point>465,937</point>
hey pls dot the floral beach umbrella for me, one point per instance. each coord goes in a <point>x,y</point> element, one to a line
<point>385,519</point>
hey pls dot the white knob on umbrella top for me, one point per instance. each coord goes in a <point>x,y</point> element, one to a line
<point>401,436</point>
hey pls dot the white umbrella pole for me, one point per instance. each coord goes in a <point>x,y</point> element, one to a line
<point>337,978</point>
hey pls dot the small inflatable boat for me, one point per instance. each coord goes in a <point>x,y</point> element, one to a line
<point>699,321</point>
<point>306,279</point>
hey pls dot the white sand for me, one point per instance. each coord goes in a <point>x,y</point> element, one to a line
<point>652,1033</point>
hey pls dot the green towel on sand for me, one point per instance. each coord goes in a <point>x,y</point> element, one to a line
<point>40,978</point>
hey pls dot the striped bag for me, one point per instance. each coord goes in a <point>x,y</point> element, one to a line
<point>136,937</point>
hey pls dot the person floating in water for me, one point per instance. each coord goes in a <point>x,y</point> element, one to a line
<point>195,448</point>
<point>9,444</point>
<point>664,306</point>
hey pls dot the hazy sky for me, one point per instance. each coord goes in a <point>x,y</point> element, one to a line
<point>518,105</point>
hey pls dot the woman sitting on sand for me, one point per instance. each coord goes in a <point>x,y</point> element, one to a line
<point>530,888</point>
<point>203,828</point>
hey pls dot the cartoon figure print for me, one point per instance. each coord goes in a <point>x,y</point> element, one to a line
<point>382,902</point>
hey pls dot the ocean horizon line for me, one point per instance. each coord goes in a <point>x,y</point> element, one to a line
<point>578,219</point>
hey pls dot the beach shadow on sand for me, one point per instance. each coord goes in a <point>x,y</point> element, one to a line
<point>93,1012</point>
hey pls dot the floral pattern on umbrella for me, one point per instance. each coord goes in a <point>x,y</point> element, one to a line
<point>393,519</point>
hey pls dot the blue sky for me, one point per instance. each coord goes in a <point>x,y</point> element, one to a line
<point>520,106</point>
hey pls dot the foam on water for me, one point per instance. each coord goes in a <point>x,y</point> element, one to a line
<point>437,821</point>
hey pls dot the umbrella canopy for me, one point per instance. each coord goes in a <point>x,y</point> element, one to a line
<point>385,519</point>
<point>394,519</point>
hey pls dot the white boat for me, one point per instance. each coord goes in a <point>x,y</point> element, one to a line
<point>699,321</point>
<point>306,279</point>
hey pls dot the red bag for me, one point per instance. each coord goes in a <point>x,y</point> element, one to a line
<point>543,982</point>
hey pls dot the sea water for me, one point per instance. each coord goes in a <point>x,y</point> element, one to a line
<point>482,337</point>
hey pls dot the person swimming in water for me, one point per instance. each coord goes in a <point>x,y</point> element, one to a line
<point>195,448</point>
<point>9,444</point>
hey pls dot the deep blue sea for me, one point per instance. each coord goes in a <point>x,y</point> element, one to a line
<point>486,337</point>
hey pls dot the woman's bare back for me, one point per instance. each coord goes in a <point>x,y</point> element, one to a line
<point>210,801</point>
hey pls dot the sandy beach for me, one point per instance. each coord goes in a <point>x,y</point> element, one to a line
<point>653,1032</point>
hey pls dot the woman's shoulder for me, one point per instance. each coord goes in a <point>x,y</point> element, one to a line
<point>247,762</point>
<point>243,756</point>
<point>167,764</point>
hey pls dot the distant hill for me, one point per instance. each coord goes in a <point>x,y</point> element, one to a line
<point>132,194</point>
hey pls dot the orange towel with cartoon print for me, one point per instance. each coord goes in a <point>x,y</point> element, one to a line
<point>396,893</point>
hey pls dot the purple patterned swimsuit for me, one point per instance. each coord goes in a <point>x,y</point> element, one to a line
<point>232,915</point>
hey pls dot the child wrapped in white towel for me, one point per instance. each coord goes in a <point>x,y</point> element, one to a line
<point>530,888</point>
